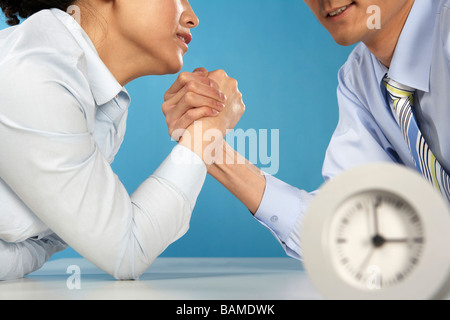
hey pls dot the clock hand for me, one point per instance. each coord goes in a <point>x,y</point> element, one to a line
<point>396,240</point>
<point>367,259</point>
<point>418,240</point>
<point>378,241</point>
<point>375,215</point>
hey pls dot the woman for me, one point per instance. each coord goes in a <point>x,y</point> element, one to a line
<point>63,109</point>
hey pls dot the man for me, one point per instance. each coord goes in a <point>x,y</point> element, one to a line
<point>394,82</point>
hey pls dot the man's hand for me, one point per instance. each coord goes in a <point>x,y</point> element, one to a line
<point>234,106</point>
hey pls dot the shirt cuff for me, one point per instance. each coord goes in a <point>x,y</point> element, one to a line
<point>281,211</point>
<point>185,170</point>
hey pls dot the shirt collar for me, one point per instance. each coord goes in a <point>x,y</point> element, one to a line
<point>411,63</point>
<point>104,85</point>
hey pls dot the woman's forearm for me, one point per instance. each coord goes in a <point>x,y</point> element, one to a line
<point>240,177</point>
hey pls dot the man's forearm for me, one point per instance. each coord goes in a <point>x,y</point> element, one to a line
<point>240,177</point>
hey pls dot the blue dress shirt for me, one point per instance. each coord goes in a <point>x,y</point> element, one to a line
<point>367,130</point>
<point>62,121</point>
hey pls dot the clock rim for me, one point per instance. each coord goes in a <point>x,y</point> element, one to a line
<point>405,183</point>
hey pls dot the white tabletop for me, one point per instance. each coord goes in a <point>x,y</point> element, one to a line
<point>169,279</point>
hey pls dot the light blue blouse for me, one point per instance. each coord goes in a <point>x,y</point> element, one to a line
<point>62,121</point>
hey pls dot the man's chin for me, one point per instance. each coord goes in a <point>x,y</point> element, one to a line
<point>345,41</point>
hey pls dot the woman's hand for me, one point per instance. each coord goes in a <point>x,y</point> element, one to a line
<point>192,96</point>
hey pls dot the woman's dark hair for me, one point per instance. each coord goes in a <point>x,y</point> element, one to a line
<point>25,8</point>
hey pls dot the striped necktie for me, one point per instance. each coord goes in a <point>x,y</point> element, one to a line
<point>426,163</point>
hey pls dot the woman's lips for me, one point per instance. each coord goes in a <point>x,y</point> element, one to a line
<point>185,37</point>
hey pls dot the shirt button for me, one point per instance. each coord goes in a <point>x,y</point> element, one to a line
<point>274,219</point>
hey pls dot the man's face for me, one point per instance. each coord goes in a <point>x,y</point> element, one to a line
<point>347,20</point>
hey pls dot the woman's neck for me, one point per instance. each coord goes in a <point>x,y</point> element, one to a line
<point>124,64</point>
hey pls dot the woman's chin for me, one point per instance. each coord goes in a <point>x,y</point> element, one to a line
<point>164,67</point>
<point>172,68</point>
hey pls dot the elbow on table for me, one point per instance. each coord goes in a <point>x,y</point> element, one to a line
<point>132,268</point>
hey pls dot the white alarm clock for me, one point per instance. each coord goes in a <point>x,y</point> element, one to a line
<point>379,231</point>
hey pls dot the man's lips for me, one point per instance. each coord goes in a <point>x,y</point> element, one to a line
<point>337,11</point>
<point>185,37</point>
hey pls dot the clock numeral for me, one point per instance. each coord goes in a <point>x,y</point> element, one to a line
<point>341,240</point>
<point>414,219</point>
<point>399,204</point>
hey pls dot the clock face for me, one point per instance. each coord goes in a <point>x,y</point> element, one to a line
<point>379,231</point>
<point>376,240</point>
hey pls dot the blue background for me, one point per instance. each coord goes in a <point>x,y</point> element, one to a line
<point>286,65</point>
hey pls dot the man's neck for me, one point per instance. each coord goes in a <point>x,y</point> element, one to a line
<point>382,42</point>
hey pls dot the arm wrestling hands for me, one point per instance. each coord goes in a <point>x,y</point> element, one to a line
<point>200,107</point>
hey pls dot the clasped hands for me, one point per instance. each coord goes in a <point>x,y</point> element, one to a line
<point>200,107</point>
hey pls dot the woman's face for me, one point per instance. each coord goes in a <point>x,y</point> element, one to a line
<point>157,30</point>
